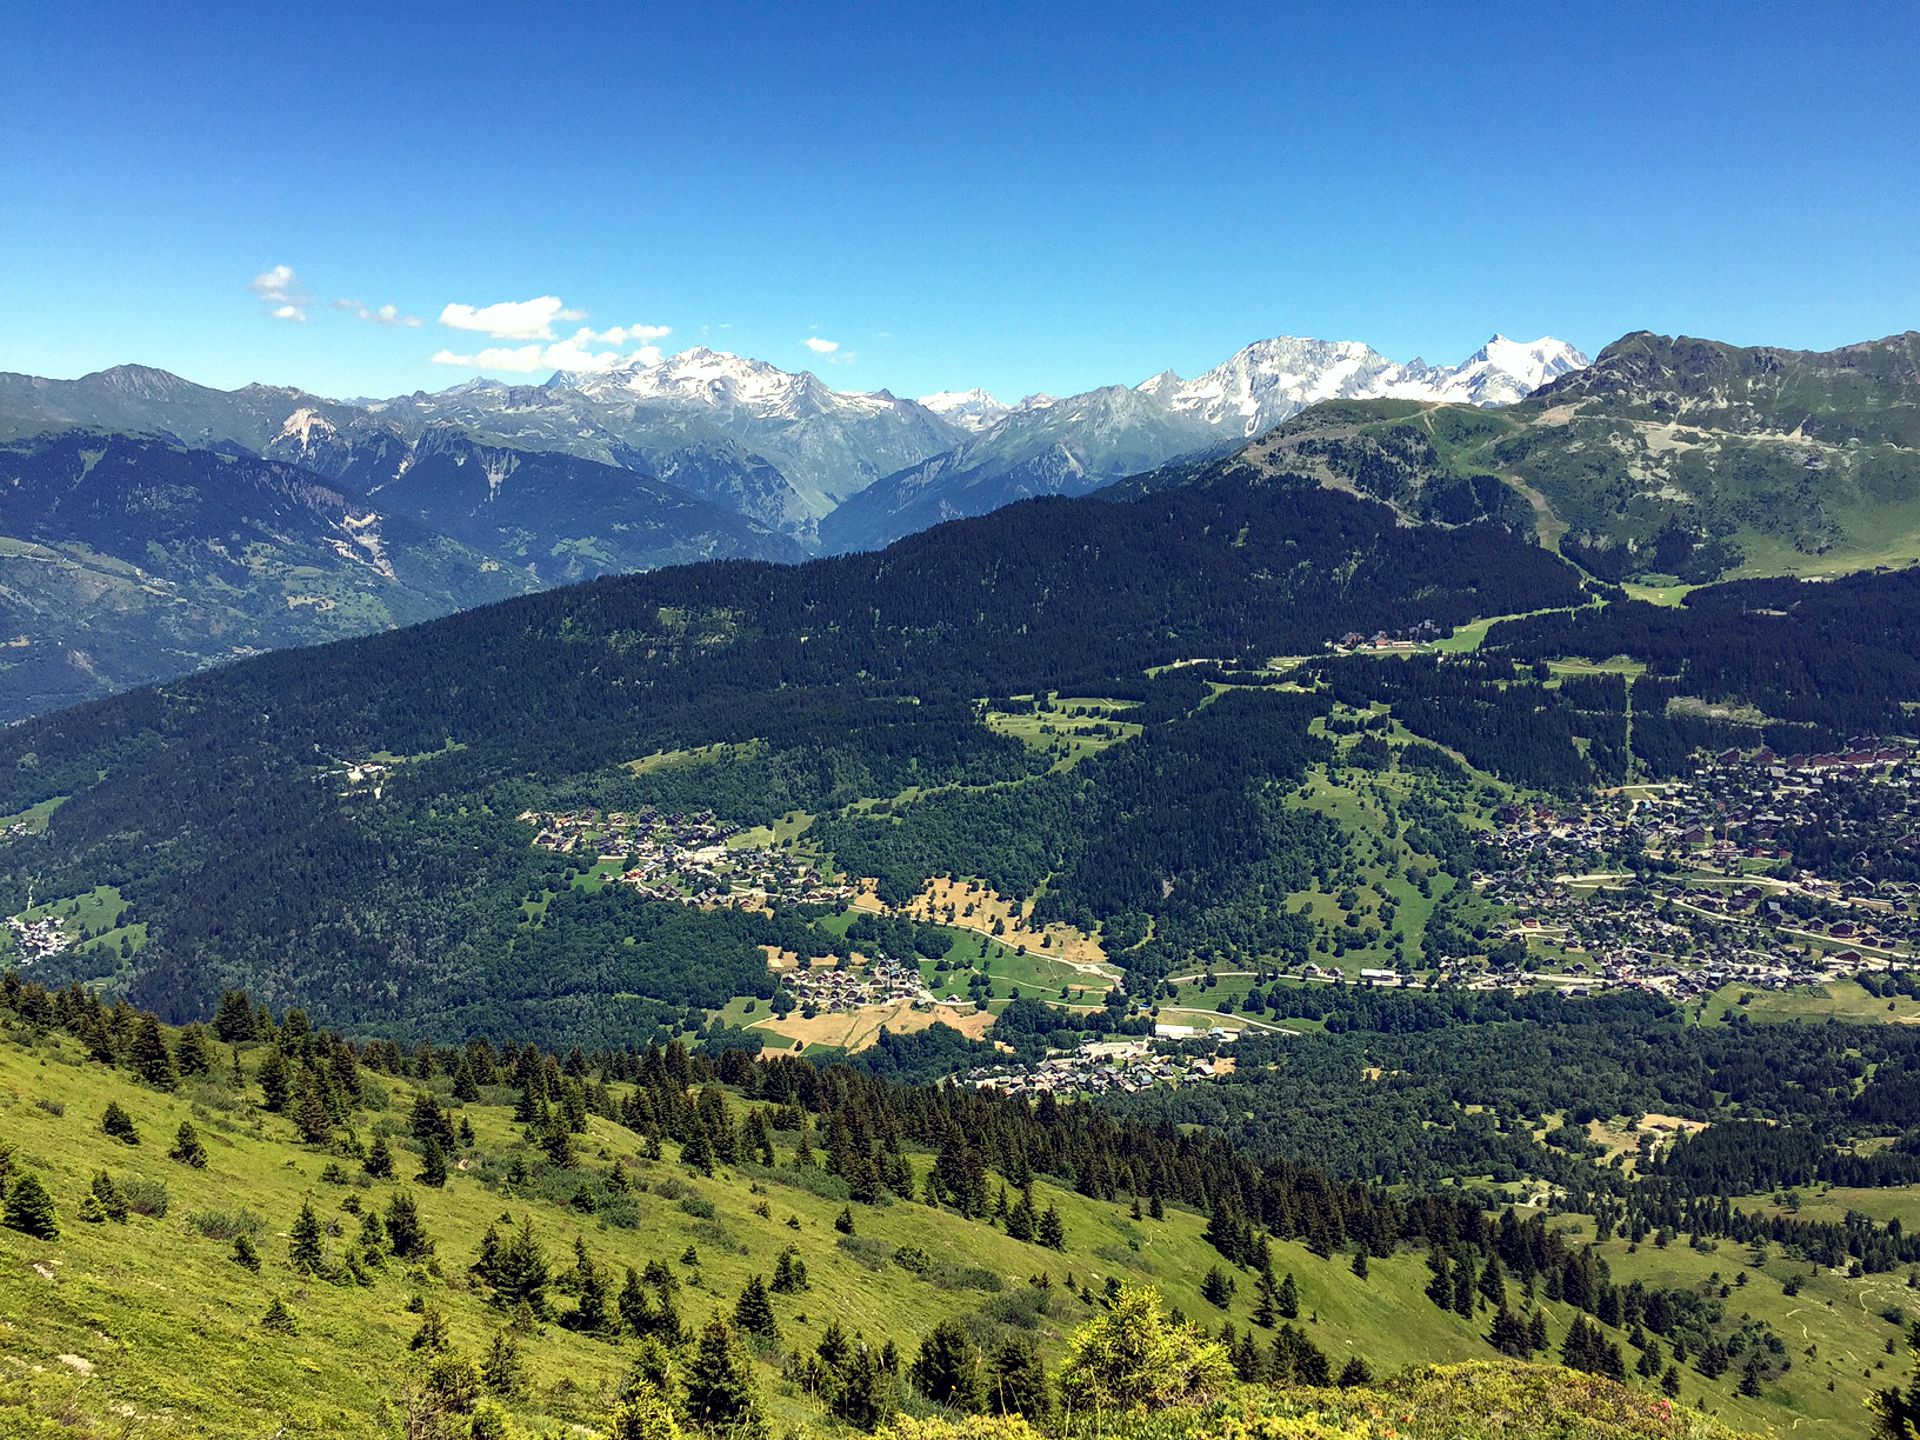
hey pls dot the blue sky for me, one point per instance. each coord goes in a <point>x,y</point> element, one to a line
<point>1023,197</point>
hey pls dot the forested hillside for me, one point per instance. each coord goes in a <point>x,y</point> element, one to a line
<point>220,807</point>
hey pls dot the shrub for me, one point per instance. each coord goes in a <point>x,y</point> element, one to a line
<point>146,1197</point>
<point>225,1224</point>
<point>1132,1358</point>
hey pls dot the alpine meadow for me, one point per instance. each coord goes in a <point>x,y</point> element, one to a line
<point>692,747</point>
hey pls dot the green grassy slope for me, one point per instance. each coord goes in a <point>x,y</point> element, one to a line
<point>152,1325</point>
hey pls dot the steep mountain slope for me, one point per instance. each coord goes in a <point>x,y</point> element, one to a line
<point>136,559</point>
<point>1071,446</point>
<point>131,560</point>
<point>1666,459</point>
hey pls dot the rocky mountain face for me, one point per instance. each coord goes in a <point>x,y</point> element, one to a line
<point>1667,460</point>
<point>1868,392</point>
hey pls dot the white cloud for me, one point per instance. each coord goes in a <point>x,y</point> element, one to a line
<point>383,315</point>
<point>624,334</point>
<point>511,319</point>
<point>821,346</point>
<point>573,354</point>
<point>280,291</point>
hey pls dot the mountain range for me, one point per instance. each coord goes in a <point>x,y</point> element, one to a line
<point>230,521</point>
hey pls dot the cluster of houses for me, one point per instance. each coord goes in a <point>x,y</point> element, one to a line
<point>1684,888</point>
<point>1099,1067</point>
<point>1411,638</point>
<point>838,989</point>
<point>686,858</point>
<point>38,939</point>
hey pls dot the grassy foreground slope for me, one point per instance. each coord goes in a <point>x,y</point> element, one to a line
<point>151,1326</point>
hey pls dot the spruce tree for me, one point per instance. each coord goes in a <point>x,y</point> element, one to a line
<point>275,1087</point>
<point>593,1308</point>
<point>192,1052</point>
<point>1050,1232</point>
<point>244,1253</point>
<point>947,1369</point>
<point>233,1021</point>
<point>306,1249</point>
<point>30,1208</point>
<point>719,1384</point>
<point>406,1235</point>
<point>789,1272</point>
<point>504,1372</point>
<point>152,1060</point>
<point>1017,1381</point>
<point>433,1166</point>
<point>379,1161</point>
<point>117,1123</point>
<point>112,1200</point>
<point>1360,1262</point>
<point>1216,1289</point>
<point>1355,1372</point>
<point>279,1319</point>
<point>753,1312</point>
<point>643,1415</point>
<point>1287,1301</point>
<point>187,1148</point>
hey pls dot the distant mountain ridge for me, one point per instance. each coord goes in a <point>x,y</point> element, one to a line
<point>783,448</point>
<point>1049,447</point>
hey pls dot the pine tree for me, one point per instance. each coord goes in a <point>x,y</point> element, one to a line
<point>433,1166</point>
<point>187,1148</point>
<point>753,1312</point>
<point>30,1208</point>
<point>244,1253</point>
<point>305,1247</point>
<point>947,1369</point>
<point>1288,1299</point>
<point>1355,1372</point>
<point>1360,1263</point>
<point>719,1385</point>
<point>117,1123</point>
<point>1670,1383</point>
<point>279,1319</point>
<point>152,1061</point>
<point>843,1222</point>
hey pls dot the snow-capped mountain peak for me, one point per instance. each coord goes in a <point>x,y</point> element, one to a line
<point>971,410</point>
